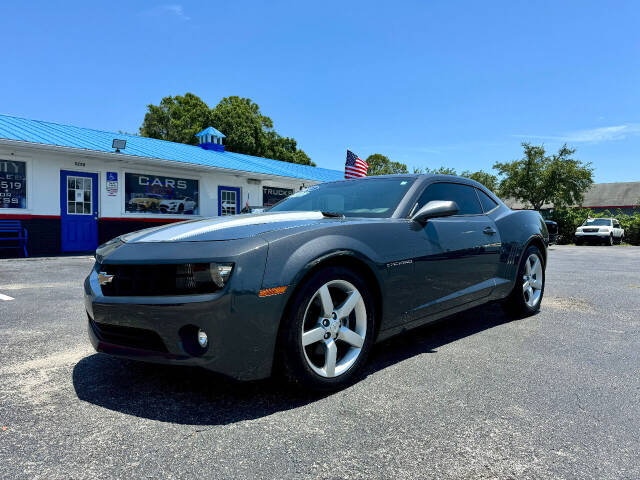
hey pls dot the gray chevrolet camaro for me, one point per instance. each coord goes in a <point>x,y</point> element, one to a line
<point>309,286</point>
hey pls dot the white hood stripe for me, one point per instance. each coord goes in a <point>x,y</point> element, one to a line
<point>187,231</point>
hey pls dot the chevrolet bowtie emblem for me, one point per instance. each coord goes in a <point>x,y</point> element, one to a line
<point>104,278</point>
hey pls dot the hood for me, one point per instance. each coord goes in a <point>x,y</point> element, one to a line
<point>226,228</point>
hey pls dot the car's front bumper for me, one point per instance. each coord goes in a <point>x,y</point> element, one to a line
<point>593,236</point>
<point>241,326</point>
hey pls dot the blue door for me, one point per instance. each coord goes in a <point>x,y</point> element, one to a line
<point>79,211</point>
<point>228,201</point>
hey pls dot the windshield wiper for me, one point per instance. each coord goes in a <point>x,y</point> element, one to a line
<point>332,214</point>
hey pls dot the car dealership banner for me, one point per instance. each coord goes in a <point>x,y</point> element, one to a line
<point>160,194</point>
<point>272,195</point>
<point>13,184</point>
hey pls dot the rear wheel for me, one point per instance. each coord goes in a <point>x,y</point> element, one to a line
<point>526,296</point>
<point>328,332</point>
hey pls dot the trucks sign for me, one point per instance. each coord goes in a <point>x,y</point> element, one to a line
<point>272,195</point>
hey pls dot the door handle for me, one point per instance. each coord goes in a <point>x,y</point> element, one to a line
<point>488,231</point>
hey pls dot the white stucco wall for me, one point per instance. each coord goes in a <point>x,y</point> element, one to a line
<point>43,181</point>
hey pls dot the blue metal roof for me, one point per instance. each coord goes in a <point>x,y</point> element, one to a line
<point>47,133</point>
<point>211,131</point>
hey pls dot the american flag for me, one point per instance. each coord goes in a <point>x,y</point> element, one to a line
<point>355,167</point>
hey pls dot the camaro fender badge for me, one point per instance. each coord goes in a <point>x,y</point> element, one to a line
<point>104,278</point>
<point>397,264</point>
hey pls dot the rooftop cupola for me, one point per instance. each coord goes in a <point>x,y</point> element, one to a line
<point>211,139</point>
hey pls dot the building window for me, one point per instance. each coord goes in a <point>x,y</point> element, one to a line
<point>79,195</point>
<point>13,184</point>
<point>145,193</point>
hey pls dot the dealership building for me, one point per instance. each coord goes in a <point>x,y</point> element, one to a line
<point>73,188</point>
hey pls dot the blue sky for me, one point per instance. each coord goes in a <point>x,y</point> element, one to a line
<point>450,83</point>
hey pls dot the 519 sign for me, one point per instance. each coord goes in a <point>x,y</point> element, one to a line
<point>13,191</point>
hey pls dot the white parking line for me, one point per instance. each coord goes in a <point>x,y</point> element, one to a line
<point>6,297</point>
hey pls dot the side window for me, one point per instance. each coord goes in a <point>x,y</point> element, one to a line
<point>487,202</point>
<point>464,195</point>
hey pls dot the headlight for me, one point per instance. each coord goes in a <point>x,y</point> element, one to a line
<point>206,274</point>
<point>108,247</point>
<point>604,230</point>
<point>220,273</point>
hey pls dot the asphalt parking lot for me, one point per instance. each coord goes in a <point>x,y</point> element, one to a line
<point>556,395</point>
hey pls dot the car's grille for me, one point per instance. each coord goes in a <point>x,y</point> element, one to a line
<point>154,280</point>
<point>590,230</point>
<point>128,336</point>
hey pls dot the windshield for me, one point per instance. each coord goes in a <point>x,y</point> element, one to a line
<point>598,222</point>
<point>353,198</point>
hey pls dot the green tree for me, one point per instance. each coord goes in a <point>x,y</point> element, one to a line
<point>538,179</point>
<point>247,130</point>
<point>285,149</point>
<point>488,180</point>
<point>381,165</point>
<point>435,171</point>
<point>176,119</point>
<point>245,127</point>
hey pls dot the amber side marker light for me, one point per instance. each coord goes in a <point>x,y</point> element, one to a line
<point>267,292</point>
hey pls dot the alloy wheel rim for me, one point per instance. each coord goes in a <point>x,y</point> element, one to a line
<point>532,280</point>
<point>334,328</point>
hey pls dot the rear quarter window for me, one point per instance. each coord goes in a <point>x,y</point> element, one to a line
<point>487,202</point>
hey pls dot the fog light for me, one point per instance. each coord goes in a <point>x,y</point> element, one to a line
<point>202,338</point>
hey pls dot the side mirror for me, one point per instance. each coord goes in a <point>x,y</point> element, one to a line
<point>435,208</point>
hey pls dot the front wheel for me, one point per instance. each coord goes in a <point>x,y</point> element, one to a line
<point>526,296</point>
<point>609,242</point>
<point>328,331</point>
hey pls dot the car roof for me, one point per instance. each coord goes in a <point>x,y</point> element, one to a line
<point>408,175</point>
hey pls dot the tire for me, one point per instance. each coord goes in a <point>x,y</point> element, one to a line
<point>579,242</point>
<point>609,242</point>
<point>526,297</point>
<point>347,344</point>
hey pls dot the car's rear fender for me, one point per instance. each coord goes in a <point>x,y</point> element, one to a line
<point>518,230</point>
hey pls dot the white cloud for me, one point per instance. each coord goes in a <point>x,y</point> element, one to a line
<point>593,135</point>
<point>175,10</point>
